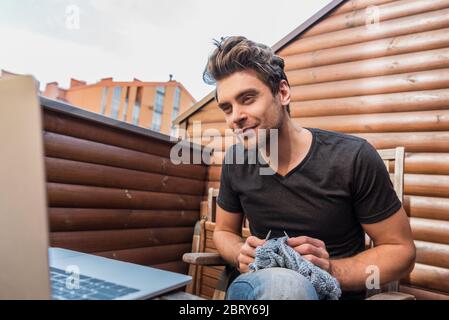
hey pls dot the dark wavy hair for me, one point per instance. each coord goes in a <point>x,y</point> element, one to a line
<point>237,53</point>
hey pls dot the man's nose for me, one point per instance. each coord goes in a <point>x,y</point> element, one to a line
<point>238,117</point>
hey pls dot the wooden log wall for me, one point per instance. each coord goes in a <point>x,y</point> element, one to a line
<point>113,191</point>
<point>388,84</point>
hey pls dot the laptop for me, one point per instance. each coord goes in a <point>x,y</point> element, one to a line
<point>29,269</point>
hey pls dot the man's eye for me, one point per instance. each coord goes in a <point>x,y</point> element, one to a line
<point>248,100</point>
<point>226,109</point>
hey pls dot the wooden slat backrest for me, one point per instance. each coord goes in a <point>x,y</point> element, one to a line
<point>398,156</point>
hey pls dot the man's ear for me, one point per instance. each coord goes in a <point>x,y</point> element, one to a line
<point>284,93</point>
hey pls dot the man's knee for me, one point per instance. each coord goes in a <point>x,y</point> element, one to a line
<point>271,284</point>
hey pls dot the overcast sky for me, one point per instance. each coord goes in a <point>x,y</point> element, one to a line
<point>145,39</point>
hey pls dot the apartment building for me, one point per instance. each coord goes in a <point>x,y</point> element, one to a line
<point>151,105</point>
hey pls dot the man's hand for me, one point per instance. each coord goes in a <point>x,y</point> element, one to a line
<point>313,250</point>
<point>248,252</point>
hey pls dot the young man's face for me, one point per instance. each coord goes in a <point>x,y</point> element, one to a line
<point>249,105</point>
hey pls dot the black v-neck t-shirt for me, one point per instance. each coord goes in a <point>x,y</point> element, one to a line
<point>340,184</point>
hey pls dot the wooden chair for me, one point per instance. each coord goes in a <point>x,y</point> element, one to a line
<point>212,275</point>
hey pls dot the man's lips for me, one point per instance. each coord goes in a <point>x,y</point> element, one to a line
<point>244,130</point>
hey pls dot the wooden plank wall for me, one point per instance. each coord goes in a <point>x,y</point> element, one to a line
<point>389,84</point>
<point>115,193</point>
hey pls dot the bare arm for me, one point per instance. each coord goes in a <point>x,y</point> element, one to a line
<point>393,254</point>
<point>227,235</point>
<point>229,242</point>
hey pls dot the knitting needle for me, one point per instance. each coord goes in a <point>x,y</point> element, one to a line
<point>266,238</point>
<point>268,235</point>
<point>286,234</point>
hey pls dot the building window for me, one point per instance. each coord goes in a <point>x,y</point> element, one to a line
<point>104,100</point>
<point>125,106</point>
<point>173,131</point>
<point>158,109</point>
<point>116,102</point>
<point>176,103</point>
<point>137,105</point>
<point>157,119</point>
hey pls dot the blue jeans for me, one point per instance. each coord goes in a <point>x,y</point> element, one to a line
<point>271,284</point>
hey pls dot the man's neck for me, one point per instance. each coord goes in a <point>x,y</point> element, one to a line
<point>290,143</point>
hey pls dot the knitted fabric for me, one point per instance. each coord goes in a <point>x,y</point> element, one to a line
<point>277,253</point>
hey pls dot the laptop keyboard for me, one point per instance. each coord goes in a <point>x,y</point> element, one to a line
<point>89,288</point>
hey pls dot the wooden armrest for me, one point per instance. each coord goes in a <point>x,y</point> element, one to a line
<point>392,296</point>
<point>205,259</point>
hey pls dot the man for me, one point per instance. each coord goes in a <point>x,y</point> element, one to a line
<point>325,192</point>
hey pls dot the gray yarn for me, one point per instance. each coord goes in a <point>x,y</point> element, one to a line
<point>277,253</point>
